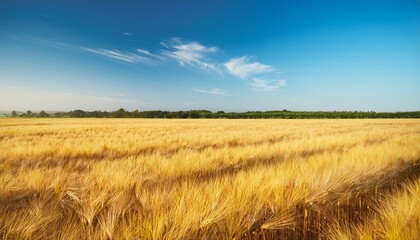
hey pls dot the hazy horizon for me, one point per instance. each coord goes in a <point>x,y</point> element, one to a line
<point>230,56</point>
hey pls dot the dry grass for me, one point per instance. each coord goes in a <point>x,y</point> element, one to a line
<point>209,179</point>
<point>397,218</point>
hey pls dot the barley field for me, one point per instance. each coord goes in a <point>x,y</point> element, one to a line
<point>209,179</point>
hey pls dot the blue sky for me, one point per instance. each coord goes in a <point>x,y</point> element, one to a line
<point>215,55</point>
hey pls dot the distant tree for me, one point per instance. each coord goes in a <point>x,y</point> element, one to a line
<point>43,114</point>
<point>193,114</point>
<point>77,114</point>
<point>120,113</point>
<point>135,113</point>
<point>59,114</point>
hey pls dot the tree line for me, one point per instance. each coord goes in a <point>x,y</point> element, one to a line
<point>285,114</point>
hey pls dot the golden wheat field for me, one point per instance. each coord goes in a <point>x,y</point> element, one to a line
<point>209,179</point>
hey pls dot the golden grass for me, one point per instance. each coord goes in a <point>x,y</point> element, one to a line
<point>208,179</point>
<point>397,218</point>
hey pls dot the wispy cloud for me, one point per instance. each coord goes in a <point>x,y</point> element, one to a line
<point>46,43</point>
<point>190,53</point>
<point>215,91</point>
<point>129,57</point>
<point>187,53</point>
<point>148,54</point>
<point>259,84</point>
<point>190,103</point>
<point>145,52</point>
<point>119,94</point>
<point>121,56</point>
<point>243,68</point>
<point>127,33</point>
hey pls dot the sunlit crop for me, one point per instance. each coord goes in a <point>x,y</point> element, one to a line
<point>209,179</point>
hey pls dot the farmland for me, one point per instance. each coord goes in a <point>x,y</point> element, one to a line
<point>209,179</point>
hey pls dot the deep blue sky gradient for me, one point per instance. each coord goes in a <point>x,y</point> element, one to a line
<point>318,55</point>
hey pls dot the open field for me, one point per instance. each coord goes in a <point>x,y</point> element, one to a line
<point>209,179</point>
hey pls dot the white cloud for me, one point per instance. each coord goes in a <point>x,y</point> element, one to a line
<point>119,94</point>
<point>259,84</point>
<point>282,83</point>
<point>127,33</point>
<point>121,56</point>
<point>242,68</point>
<point>47,43</point>
<point>155,57</point>
<point>190,103</point>
<point>215,91</point>
<point>130,57</point>
<point>190,53</point>
<point>145,52</point>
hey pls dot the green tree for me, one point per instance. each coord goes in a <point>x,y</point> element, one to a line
<point>14,114</point>
<point>43,114</point>
<point>120,113</point>
<point>193,114</point>
<point>77,113</point>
